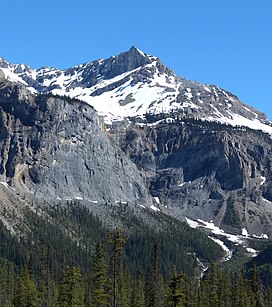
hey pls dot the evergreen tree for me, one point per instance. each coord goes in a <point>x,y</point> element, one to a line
<point>224,289</point>
<point>211,286</point>
<point>257,298</point>
<point>176,294</point>
<point>200,295</point>
<point>269,296</point>
<point>71,290</point>
<point>116,241</point>
<point>154,292</point>
<point>138,299</point>
<point>26,292</point>
<point>190,288</point>
<point>123,293</point>
<point>99,297</point>
<point>7,285</point>
<point>240,296</point>
<point>47,286</point>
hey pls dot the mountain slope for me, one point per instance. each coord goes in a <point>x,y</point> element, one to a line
<point>153,152</point>
<point>206,171</point>
<point>134,84</point>
<point>56,148</point>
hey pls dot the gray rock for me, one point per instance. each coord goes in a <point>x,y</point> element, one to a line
<point>57,148</point>
<point>53,147</point>
<point>206,171</point>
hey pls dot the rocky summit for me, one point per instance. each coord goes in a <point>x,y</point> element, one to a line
<point>134,84</point>
<point>127,130</point>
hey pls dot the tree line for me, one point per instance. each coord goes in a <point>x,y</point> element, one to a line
<point>108,283</point>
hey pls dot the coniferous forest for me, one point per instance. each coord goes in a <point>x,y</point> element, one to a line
<point>109,283</point>
<point>94,265</point>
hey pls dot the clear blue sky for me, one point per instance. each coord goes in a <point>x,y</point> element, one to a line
<point>223,42</point>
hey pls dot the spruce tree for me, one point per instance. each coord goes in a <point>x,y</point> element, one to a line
<point>224,289</point>
<point>211,286</point>
<point>176,293</point>
<point>116,241</point>
<point>71,290</point>
<point>123,293</point>
<point>257,298</point>
<point>7,280</point>
<point>138,299</point>
<point>26,292</point>
<point>47,287</point>
<point>154,291</point>
<point>99,297</point>
<point>241,295</point>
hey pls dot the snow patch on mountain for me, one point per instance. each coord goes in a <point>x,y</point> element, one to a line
<point>134,84</point>
<point>238,120</point>
<point>229,253</point>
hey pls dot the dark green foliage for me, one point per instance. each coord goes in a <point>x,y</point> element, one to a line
<point>263,263</point>
<point>11,248</point>
<point>231,216</point>
<point>218,287</point>
<point>26,294</point>
<point>138,298</point>
<point>240,293</point>
<point>176,290</point>
<point>116,243</point>
<point>46,282</point>
<point>175,246</point>
<point>71,290</point>
<point>123,290</point>
<point>199,124</point>
<point>71,232</point>
<point>71,237</point>
<point>154,284</point>
<point>68,99</point>
<point>7,278</point>
<point>256,294</point>
<point>99,297</point>
<point>212,284</point>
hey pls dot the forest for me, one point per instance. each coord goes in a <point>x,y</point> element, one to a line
<point>73,259</point>
<point>109,283</point>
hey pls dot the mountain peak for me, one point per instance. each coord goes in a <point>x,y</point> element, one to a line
<point>135,50</point>
<point>134,58</point>
<point>133,84</point>
<point>124,62</point>
<point>3,61</point>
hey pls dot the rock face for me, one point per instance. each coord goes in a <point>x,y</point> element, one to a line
<point>206,171</point>
<point>56,148</point>
<point>153,146</point>
<point>134,84</point>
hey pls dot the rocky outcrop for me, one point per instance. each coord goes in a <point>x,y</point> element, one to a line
<point>134,84</point>
<point>206,171</point>
<point>55,147</point>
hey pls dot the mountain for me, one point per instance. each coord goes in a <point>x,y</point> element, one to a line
<point>58,147</point>
<point>208,171</point>
<point>134,84</point>
<point>64,180</point>
<point>127,132</point>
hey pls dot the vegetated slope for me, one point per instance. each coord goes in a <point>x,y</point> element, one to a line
<point>263,265</point>
<point>70,232</point>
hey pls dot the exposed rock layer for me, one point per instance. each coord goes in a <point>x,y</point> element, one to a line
<point>206,171</point>
<point>56,148</point>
